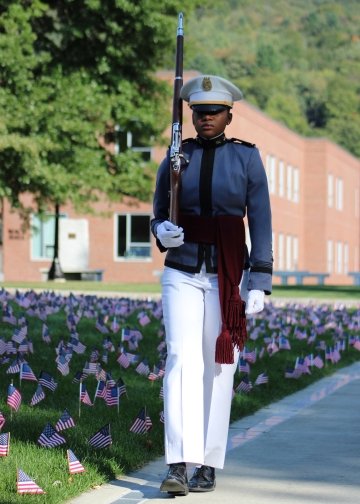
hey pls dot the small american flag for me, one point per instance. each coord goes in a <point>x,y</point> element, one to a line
<point>14,398</point>
<point>45,334</point>
<point>2,420</point>
<point>243,366</point>
<point>123,360</point>
<point>38,396</point>
<point>19,334</point>
<point>63,365</point>
<point>112,396</point>
<point>4,444</point>
<point>25,485</point>
<point>261,379</point>
<point>65,421</point>
<point>84,396</point>
<point>46,380</point>
<point>142,423</point>
<point>121,387</point>
<point>49,438</point>
<point>100,390</point>
<point>143,368</point>
<point>74,464</point>
<point>102,438</point>
<point>26,373</point>
<point>245,385</point>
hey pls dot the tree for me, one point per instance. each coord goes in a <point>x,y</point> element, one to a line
<point>67,69</point>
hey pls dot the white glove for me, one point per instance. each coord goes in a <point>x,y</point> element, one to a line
<point>255,302</point>
<point>170,235</point>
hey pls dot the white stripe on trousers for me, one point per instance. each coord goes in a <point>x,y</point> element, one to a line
<point>197,391</point>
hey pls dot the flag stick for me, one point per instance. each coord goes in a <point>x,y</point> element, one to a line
<point>80,399</point>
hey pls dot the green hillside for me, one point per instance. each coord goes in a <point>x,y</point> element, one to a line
<point>297,60</point>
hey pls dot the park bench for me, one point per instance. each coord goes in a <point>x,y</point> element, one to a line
<point>299,276</point>
<point>90,275</point>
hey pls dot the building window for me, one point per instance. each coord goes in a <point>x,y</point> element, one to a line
<point>289,183</point>
<point>133,236</point>
<point>281,179</point>
<point>346,258</point>
<point>330,191</point>
<point>131,140</point>
<point>295,264</point>
<point>330,256</point>
<point>296,185</point>
<point>43,236</point>
<point>339,257</point>
<point>281,252</point>
<point>339,194</point>
<point>288,253</point>
<point>271,173</point>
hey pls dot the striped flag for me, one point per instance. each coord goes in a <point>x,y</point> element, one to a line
<point>74,464</point>
<point>65,421</point>
<point>38,396</point>
<point>49,438</point>
<point>100,390</point>
<point>261,379</point>
<point>84,396</point>
<point>19,334</point>
<point>26,373</point>
<point>63,365</point>
<point>143,368</point>
<point>243,366</point>
<point>112,396</point>
<point>46,380</point>
<point>2,420</point>
<point>4,444</point>
<point>142,423</point>
<point>102,438</point>
<point>26,485</point>
<point>121,387</point>
<point>14,398</point>
<point>45,335</point>
<point>123,360</point>
<point>245,385</point>
<point>14,367</point>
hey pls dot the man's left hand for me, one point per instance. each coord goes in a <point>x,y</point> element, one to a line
<point>255,302</point>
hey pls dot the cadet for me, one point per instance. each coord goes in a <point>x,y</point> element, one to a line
<point>204,315</point>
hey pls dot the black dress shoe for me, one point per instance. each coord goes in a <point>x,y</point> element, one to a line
<point>203,479</point>
<point>176,481</point>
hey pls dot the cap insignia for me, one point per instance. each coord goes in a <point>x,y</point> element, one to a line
<point>206,84</point>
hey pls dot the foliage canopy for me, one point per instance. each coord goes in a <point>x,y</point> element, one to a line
<point>297,60</point>
<point>68,68</point>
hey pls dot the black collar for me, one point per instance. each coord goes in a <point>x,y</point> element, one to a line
<point>213,142</point>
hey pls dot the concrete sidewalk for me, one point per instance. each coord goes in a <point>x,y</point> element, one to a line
<point>304,449</point>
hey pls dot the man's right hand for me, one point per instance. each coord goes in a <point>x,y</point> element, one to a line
<point>169,235</point>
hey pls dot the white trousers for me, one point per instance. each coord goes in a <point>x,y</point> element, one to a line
<point>197,391</point>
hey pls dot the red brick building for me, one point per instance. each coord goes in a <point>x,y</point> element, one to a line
<point>315,193</point>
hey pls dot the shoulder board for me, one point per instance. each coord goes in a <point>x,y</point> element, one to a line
<point>188,140</point>
<point>242,142</point>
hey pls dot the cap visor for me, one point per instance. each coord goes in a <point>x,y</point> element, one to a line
<point>210,108</point>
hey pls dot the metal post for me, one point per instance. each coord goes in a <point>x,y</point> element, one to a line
<point>55,271</point>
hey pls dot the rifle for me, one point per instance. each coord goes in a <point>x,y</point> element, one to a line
<point>176,157</point>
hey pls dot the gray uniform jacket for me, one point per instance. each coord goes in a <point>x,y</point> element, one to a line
<point>222,177</point>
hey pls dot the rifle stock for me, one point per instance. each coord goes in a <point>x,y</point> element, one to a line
<point>176,130</point>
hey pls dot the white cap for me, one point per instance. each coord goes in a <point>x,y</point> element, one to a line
<point>210,90</point>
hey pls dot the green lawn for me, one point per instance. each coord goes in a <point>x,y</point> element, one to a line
<point>307,291</point>
<point>130,451</point>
